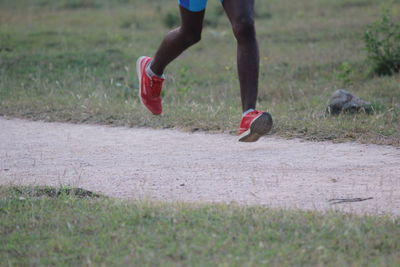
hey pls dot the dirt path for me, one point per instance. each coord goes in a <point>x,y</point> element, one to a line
<point>177,166</point>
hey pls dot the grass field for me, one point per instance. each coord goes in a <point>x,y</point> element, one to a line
<point>67,230</point>
<point>74,61</point>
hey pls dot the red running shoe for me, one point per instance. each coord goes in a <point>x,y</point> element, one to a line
<point>254,125</point>
<point>149,87</point>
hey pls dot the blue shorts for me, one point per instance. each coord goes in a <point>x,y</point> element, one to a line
<point>194,5</point>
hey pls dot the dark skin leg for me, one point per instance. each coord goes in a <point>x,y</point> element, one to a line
<point>179,39</point>
<point>241,16</point>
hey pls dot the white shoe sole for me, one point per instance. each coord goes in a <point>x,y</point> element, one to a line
<point>139,74</point>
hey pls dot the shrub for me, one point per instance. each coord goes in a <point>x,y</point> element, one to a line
<point>382,41</point>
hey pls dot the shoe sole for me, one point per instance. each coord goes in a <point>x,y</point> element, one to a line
<point>139,74</point>
<point>260,126</point>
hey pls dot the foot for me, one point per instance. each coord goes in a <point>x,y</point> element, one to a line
<point>254,125</point>
<point>149,87</point>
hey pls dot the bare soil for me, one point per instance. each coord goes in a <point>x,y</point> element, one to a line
<point>169,165</point>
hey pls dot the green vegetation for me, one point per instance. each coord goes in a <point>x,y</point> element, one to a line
<point>71,230</point>
<point>75,61</point>
<point>382,40</point>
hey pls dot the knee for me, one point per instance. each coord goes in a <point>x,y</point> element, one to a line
<point>244,29</point>
<point>191,37</point>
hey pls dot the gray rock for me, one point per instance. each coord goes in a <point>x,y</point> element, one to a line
<point>344,101</point>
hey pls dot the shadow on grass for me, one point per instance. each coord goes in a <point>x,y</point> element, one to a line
<point>45,191</point>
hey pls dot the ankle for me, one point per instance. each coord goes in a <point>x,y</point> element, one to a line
<point>152,73</point>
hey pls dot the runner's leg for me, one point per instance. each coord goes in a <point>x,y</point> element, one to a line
<point>179,39</point>
<point>241,16</point>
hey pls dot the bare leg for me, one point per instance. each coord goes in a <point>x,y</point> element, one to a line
<point>179,39</point>
<point>241,16</point>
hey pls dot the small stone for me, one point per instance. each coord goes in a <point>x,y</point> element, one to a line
<point>343,101</point>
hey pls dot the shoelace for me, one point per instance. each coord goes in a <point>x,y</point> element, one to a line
<point>155,83</point>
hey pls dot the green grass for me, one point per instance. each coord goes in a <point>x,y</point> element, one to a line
<point>72,229</point>
<point>74,61</point>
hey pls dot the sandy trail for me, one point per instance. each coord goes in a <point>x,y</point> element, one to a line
<point>169,165</point>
